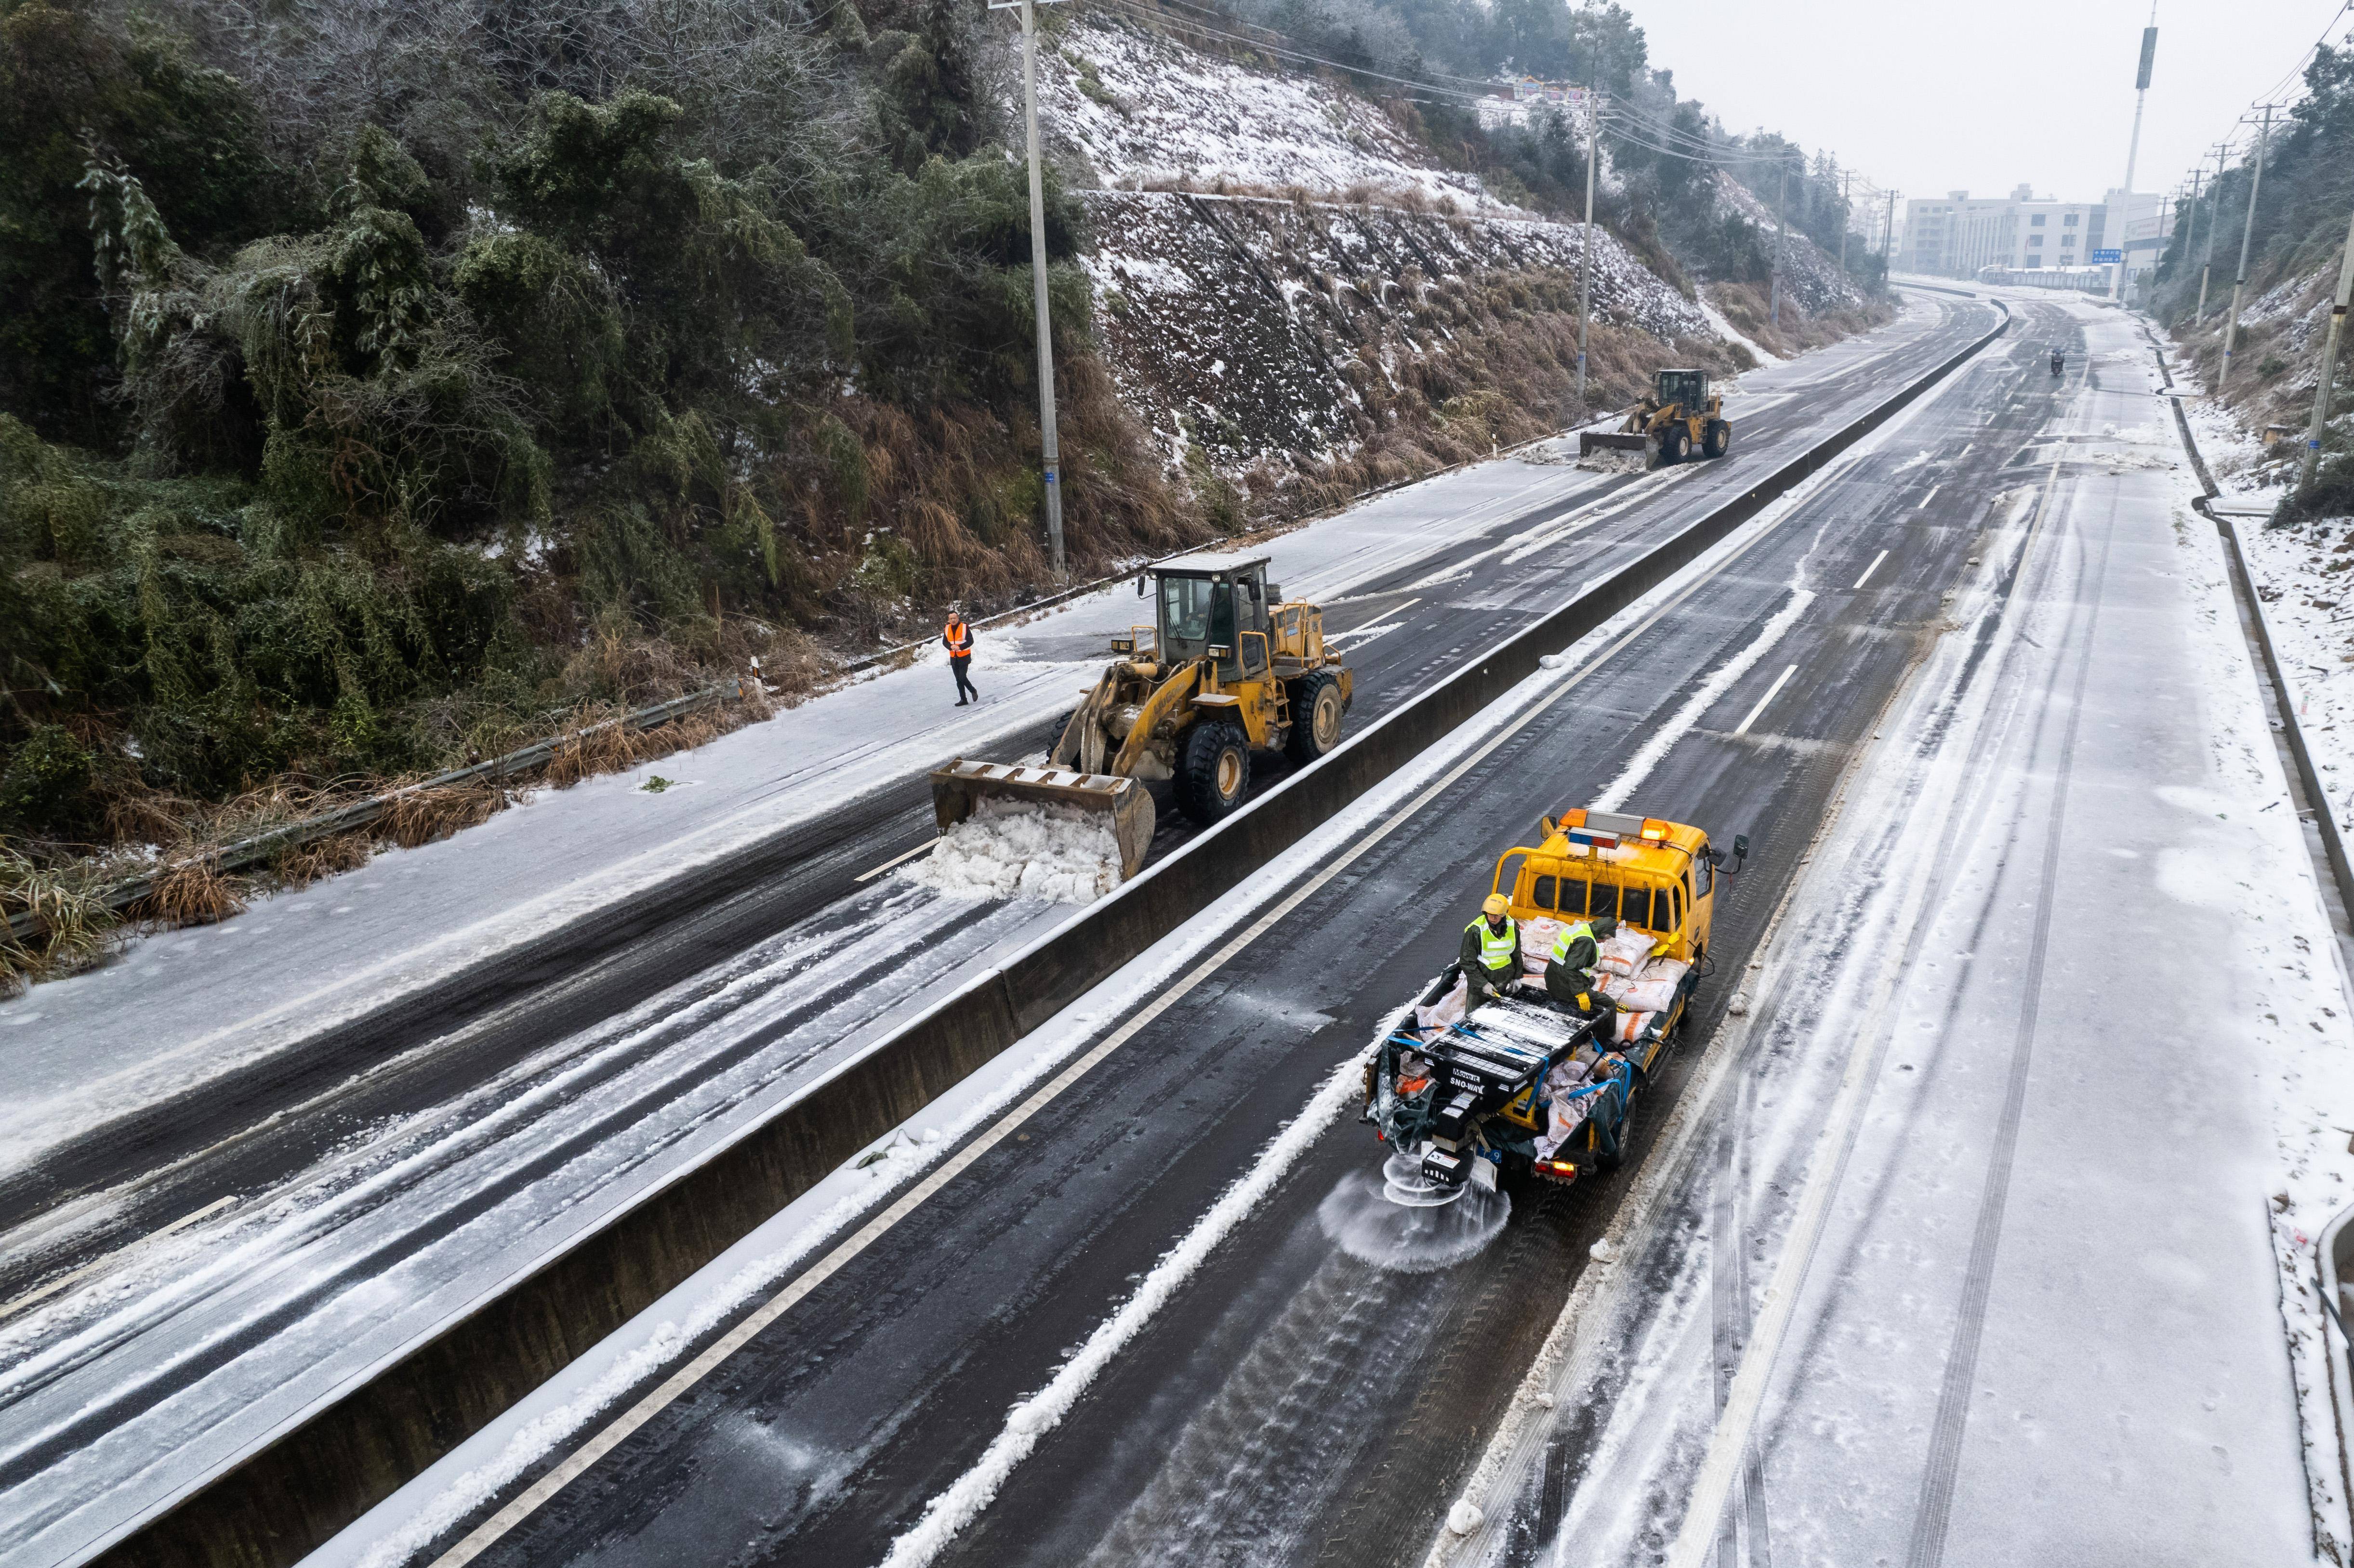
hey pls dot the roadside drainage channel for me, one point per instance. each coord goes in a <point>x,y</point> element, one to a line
<point>2316,807</point>
<point>2334,1248</point>
<point>293,1492</point>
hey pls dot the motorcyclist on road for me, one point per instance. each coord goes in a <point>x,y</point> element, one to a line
<point>2059,361</point>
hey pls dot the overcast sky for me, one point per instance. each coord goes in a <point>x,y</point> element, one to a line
<point>1987,95</point>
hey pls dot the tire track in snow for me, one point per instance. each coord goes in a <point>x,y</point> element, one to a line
<point>1928,1549</point>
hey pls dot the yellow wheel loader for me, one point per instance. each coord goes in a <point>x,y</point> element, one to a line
<point>1225,670</point>
<point>1681,417</point>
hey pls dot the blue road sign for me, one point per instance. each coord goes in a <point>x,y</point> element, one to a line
<point>2100,257</point>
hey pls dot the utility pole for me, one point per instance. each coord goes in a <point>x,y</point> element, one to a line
<point>1586,237</point>
<point>2206,263</point>
<point>2190,229</point>
<point>1888,235</point>
<point>1847,180</point>
<point>2312,459</point>
<point>2133,147</point>
<point>2247,234</point>
<point>1781,205</point>
<point>1050,449</point>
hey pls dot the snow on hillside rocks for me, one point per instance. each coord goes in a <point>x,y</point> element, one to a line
<point>1243,325</point>
<point>1141,110</point>
<point>1810,275</point>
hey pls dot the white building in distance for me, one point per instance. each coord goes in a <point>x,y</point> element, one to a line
<point>1958,237</point>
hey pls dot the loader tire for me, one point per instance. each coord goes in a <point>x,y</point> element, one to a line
<point>1316,709</point>
<point>1717,439</point>
<point>1212,772</point>
<point>1055,732</point>
<point>1674,442</point>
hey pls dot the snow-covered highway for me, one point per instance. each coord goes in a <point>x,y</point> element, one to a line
<point>1279,1400</point>
<point>381,1180</point>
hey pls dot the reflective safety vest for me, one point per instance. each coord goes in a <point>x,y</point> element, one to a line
<point>1570,933</point>
<point>1496,948</point>
<point>959,637</point>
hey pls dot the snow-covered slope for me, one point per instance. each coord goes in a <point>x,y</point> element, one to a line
<point>1808,276</point>
<point>1254,328</point>
<point>1140,110</point>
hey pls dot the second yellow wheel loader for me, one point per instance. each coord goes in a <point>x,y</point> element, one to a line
<point>1225,670</point>
<point>1681,417</point>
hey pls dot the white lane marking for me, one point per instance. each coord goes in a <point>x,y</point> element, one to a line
<point>486,1534</point>
<point>1350,641</point>
<point>1872,569</point>
<point>871,875</point>
<point>118,1256</point>
<point>1695,1542</point>
<point>1664,739</point>
<point>1932,490</point>
<point>1773,691</point>
<point>947,1513</point>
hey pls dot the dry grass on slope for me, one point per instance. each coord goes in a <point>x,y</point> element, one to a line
<point>1749,307</point>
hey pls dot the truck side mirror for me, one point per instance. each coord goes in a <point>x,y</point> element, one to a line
<point>1741,846</point>
<point>1140,585</point>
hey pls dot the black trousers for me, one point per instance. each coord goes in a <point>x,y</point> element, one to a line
<point>964,685</point>
<point>1598,1007</point>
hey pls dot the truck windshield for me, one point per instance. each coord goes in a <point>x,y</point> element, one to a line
<point>1186,606</point>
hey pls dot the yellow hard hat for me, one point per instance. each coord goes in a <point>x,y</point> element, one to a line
<point>1496,904</point>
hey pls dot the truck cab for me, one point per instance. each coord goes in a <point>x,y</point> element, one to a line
<point>1648,874</point>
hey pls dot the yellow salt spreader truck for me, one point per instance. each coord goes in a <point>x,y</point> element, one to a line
<point>1227,670</point>
<point>1521,1088</point>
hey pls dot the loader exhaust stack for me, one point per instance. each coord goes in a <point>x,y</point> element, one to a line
<point>959,788</point>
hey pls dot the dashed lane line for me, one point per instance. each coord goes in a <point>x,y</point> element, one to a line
<point>1771,691</point>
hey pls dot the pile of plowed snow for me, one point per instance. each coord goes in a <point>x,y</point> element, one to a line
<point>1059,854</point>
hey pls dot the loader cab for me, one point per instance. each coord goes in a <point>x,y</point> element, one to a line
<point>1688,388</point>
<point>1217,608</point>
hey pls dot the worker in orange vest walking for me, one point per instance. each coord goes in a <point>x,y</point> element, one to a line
<point>958,639</point>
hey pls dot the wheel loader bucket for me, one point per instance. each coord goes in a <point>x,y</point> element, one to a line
<point>1616,451</point>
<point>961,786</point>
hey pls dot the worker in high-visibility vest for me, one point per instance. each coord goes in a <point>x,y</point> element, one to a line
<point>1572,979</point>
<point>957,637</point>
<point>1491,953</point>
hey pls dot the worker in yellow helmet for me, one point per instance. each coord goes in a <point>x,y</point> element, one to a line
<point>1491,953</point>
<point>1572,979</point>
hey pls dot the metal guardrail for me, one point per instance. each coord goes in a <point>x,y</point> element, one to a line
<point>362,1443</point>
<point>260,847</point>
